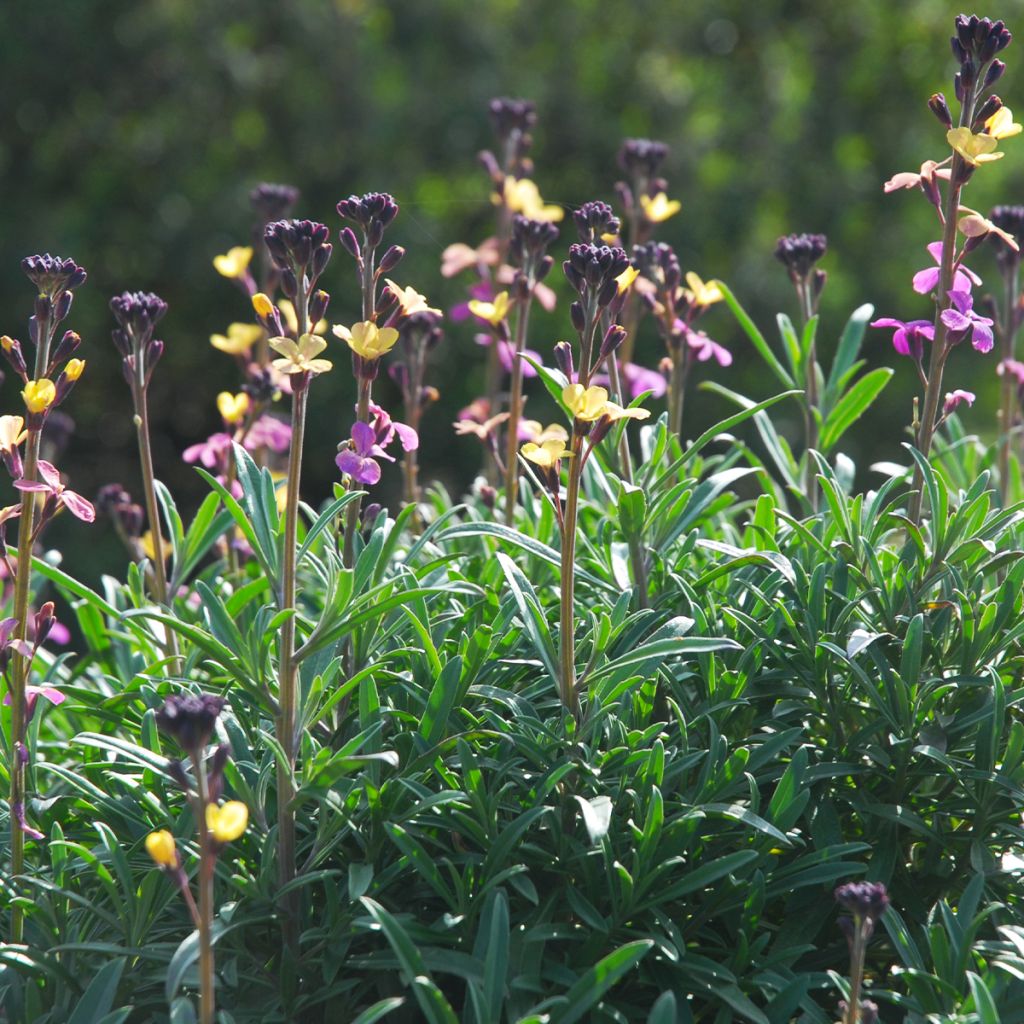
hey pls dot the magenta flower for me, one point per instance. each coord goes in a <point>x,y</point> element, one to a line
<point>1014,367</point>
<point>637,380</point>
<point>386,429</point>
<point>927,280</point>
<point>33,693</point>
<point>706,348</point>
<point>211,453</point>
<point>269,432</point>
<point>51,485</point>
<point>954,399</point>
<point>962,321</point>
<point>507,355</point>
<point>18,810</point>
<point>359,461</point>
<point>910,335</point>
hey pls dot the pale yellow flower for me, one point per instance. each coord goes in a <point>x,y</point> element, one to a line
<point>300,356</point>
<point>239,339</point>
<point>12,432</point>
<point>545,455</point>
<point>368,340</point>
<point>973,225</point>
<point>538,433</point>
<point>521,195</point>
<point>235,262</point>
<point>659,208</point>
<point>1001,124</point>
<point>586,404</point>
<point>975,149</point>
<point>493,312</point>
<point>617,412</point>
<point>701,293</point>
<point>410,300</point>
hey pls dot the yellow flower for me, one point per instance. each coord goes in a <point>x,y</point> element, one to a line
<point>659,208</point>
<point>701,293</point>
<point>12,432</point>
<point>39,394</point>
<point>280,490</point>
<point>74,368</point>
<point>239,339</point>
<point>299,357</point>
<point>626,278</point>
<point>522,196</point>
<point>1001,126</point>
<point>975,149</point>
<point>538,433</point>
<point>291,321</point>
<point>235,262</point>
<point>149,548</point>
<point>368,340</point>
<point>410,300</point>
<point>227,823</point>
<point>545,455</point>
<point>160,846</point>
<point>616,412</point>
<point>493,312</point>
<point>233,407</point>
<point>585,404</point>
<point>262,304</point>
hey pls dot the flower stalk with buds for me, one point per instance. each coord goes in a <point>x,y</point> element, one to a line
<point>190,721</point>
<point>865,903</point>
<point>55,280</point>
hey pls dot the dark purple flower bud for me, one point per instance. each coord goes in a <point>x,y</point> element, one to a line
<point>520,286</point>
<point>321,257</point>
<point>489,162</point>
<point>594,220</point>
<point>544,268</point>
<point>373,212</point>
<point>511,115</point>
<point>273,202</point>
<point>530,240</point>
<point>985,111</point>
<point>62,306</point>
<point>137,313</point>
<point>215,771</point>
<point>370,514</point>
<point>488,495</point>
<point>595,266</point>
<point>938,106</point>
<point>349,242</point>
<point>318,306</point>
<point>11,349</point>
<point>958,87</point>
<point>818,281</point>
<point>299,246</point>
<point>563,358</point>
<point>64,350</point>
<point>53,275</point>
<point>190,718</point>
<point>642,157</point>
<point>43,623</point>
<point>154,350</point>
<point>289,284</point>
<point>864,900</point>
<point>613,338</point>
<point>995,72</point>
<point>391,258</point>
<point>259,384</point>
<point>799,253</point>
<point>578,317</point>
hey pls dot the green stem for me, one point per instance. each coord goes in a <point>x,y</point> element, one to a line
<point>567,631</point>
<point>1008,404</point>
<point>676,387</point>
<point>810,398</point>
<point>352,513</point>
<point>515,409</point>
<point>288,673</point>
<point>152,509</point>
<point>207,864</point>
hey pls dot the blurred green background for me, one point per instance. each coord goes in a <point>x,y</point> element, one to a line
<point>132,133</point>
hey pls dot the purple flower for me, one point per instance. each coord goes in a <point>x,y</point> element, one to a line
<point>507,355</point>
<point>482,291</point>
<point>927,280</point>
<point>954,399</point>
<point>33,693</point>
<point>1014,367</point>
<point>211,453</point>
<point>266,432</point>
<point>961,320</point>
<point>385,430</point>
<point>51,485</point>
<point>910,335</point>
<point>357,461</point>
<point>636,381</point>
<point>706,348</point>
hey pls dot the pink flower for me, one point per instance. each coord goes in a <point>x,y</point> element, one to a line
<point>961,321</point>
<point>910,335</point>
<point>211,453</point>
<point>268,432</point>
<point>706,348</point>
<point>954,399</point>
<point>33,693</point>
<point>927,280</point>
<point>359,461</point>
<point>51,485</point>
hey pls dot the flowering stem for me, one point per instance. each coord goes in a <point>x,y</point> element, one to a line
<point>515,409</point>
<point>676,387</point>
<point>352,514</point>
<point>20,666</point>
<point>207,863</point>
<point>810,398</point>
<point>1008,405</point>
<point>152,512</point>
<point>940,346</point>
<point>288,677</point>
<point>566,637</point>
<point>852,1015</point>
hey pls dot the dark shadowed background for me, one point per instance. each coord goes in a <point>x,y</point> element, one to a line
<point>132,133</point>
